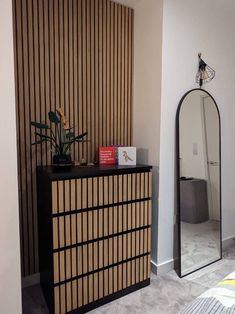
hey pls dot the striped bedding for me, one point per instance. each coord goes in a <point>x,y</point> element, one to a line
<point>220,299</point>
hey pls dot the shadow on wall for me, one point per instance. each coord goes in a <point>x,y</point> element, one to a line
<point>143,158</point>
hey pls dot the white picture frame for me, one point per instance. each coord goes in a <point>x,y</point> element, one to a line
<point>127,156</point>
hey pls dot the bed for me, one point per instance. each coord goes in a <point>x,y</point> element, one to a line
<point>220,299</point>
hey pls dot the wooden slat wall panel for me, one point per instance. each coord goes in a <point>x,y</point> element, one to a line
<point>75,54</point>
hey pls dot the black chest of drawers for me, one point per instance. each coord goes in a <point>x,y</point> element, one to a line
<point>94,234</point>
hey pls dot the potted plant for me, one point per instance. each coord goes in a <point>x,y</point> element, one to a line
<point>61,137</point>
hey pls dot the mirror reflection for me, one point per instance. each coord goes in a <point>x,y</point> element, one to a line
<point>199,153</point>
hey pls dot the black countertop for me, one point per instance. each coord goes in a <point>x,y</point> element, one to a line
<point>89,171</point>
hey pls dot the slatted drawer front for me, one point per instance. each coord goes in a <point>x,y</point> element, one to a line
<point>77,293</point>
<point>98,223</point>
<point>80,260</point>
<point>101,237</point>
<point>70,195</point>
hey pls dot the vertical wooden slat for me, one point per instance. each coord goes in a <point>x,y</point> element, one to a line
<point>62,265</point>
<point>100,63</point>
<point>75,293</point>
<point>96,70</point>
<point>80,77</point>
<point>71,66</point>
<point>106,190</point>
<point>119,68</point>
<point>79,227</point>
<point>79,191</point>
<point>108,104</point>
<point>112,111</point>
<point>104,74</point>
<point>92,70</point>
<point>61,234</point>
<point>84,73</point>
<point>55,233</point>
<point>88,76</point>
<point>101,189</point>
<point>61,196</point>
<point>122,104</point>
<point>126,123</point>
<point>54,197</point>
<point>47,71</point>
<point>115,73</point>
<point>75,71</point>
<point>80,292</point>
<point>129,74</point>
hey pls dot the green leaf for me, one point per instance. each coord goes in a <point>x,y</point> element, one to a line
<point>80,136</point>
<point>70,135</point>
<point>45,137</point>
<point>82,141</point>
<point>53,117</point>
<point>39,141</point>
<point>39,125</point>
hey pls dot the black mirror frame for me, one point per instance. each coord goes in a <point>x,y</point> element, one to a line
<point>177,227</point>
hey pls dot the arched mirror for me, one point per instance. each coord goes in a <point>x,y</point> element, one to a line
<point>198,182</point>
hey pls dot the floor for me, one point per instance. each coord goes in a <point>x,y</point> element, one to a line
<point>200,244</point>
<point>167,294</point>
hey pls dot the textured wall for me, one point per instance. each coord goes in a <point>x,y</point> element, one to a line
<point>75,54</point>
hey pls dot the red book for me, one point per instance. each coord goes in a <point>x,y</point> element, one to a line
<point>107,155</point>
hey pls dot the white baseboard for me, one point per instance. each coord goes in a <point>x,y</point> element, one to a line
<point>163,268</point>
<point>154,267</point>
<point>227,242</point>
<point>30,280</point>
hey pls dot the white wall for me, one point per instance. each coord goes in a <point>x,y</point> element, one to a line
<point>147,77</point>
<point>190,27</point>
<point>10,289</point>
<point>147,91</point>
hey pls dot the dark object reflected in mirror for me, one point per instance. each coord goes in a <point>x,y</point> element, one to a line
<point>198,152</point>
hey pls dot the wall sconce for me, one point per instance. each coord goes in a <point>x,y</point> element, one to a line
<point>205,73</point>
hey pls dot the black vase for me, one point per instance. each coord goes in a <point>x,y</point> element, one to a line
<point>62,161</point>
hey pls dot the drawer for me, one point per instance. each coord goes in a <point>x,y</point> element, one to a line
<point>77,293</point>
<point>72,229</point>
<point>84,259</point>
<point>70,195</point>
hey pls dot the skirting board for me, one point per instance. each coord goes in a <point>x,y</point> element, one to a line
<point>227,242</point>
<point>163,268</point>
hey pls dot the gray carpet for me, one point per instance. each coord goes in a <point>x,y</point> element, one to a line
<point>167,294</point>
